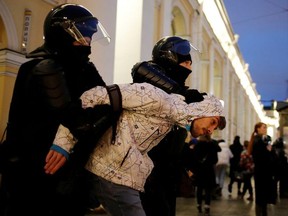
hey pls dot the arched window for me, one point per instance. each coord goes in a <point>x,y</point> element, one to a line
<point>178,23</point>
<point>3,35</point>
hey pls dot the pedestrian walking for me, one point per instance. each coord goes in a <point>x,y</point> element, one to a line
<point>222,165</point>
<point>235,171</point>
<point>264,171</point>
<point>247,167</point>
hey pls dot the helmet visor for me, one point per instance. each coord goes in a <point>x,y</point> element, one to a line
<point>87,27</point>
<point>91,27</point>
<point>184,48</point>
<point>101,36</point>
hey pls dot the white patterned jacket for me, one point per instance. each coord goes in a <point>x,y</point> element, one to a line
<point>148,115</point>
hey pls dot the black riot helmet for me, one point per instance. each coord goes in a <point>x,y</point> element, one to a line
<point>173,50</point>
<point>67,23</point>
<point>169,52</point>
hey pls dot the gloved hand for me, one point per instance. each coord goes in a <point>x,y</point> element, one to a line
<point>193,95</point>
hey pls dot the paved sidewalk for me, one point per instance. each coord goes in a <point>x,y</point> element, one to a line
<point>229,206</point>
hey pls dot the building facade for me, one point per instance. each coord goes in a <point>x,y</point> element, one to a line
<point>134,27</point>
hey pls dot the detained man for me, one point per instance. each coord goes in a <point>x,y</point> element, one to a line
<point>119,170</point>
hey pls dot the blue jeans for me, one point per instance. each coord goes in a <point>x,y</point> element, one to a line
<point>220,172</point>
<point>117,200</point>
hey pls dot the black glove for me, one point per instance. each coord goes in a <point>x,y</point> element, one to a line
<point>193,95</point>
<point>82,122</point>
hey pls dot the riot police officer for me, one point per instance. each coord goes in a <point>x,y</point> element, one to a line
<point>169,68</point>
<point>46,94</point>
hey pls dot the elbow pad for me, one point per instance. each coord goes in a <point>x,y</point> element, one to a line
<point>52,83</point>
<point>151,73</point>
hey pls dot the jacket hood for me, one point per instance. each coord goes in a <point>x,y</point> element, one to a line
<point>210,106</point>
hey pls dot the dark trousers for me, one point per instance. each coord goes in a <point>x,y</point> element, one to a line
<point>247,184</point>
<point>232,180</point>
<point>207,196</point>
<point>159,198</point>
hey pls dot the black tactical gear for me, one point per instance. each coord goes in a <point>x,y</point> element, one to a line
<point>46,94</point>
<point>165,72</point>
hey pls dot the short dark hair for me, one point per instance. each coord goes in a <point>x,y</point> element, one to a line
<point>222,123</point>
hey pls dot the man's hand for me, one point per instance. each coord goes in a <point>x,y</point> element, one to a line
<point>190,173</point>
<point>54,161</point>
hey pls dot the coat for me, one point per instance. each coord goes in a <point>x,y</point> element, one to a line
<point>225,154</point>
<point>148,115</point>
<point>202,161</point>
<point>264,171</point>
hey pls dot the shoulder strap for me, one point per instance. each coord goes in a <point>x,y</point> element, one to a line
<point>115,97</point>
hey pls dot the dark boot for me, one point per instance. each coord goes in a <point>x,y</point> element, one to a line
<point>261,210</point>
<point>207,210</point>
<point>199,208</point>
<point>258,210</point>
<point>220,192</point>
<point>264,210</point>
<point>250,198</point>
<point>230,188</point>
